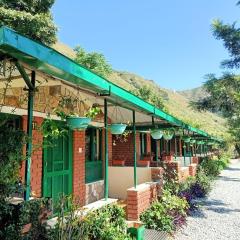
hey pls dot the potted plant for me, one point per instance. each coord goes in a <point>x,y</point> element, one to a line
<point>168,134</point>
<point>200,142</point>
<point>186,139</point>
<point>74,121</point>
<point>118,128</point>
<point>156,134</point>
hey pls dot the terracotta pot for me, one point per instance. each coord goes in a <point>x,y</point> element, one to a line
<point>143,163</point>
<point>118,162</point>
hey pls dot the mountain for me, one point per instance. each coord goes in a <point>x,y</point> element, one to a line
<point>193,94</point>
<point>177,102</point>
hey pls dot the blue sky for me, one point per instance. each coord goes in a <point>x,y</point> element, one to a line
<point>169,42</point>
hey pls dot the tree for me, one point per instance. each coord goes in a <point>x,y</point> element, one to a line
<point>30,18</point>
<point>223,94</point>
<point>148,95</point>
<point>93,61</point>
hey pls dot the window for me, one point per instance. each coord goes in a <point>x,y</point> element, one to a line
<point>143,144</point>
<point>93,155</point>
<point>93,141</point>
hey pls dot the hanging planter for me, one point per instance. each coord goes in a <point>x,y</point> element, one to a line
<point>78,123</point>
<point>118,128</point>
<point>156,134</point>
<point>210,143</point>
<point>186,139</point>
<point>192,141</point>
<point>200,142</point>
<point>168,134</point>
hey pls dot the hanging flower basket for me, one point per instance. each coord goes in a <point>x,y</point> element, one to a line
<point>200,142</point>
<point>79,123</point>
<point>156,134</point>
<point>192,141</point>
<point>168,134</point>
<point>186,139</point>
<point>210,143</point>
<point>118,128</point>
<point>167,137</point>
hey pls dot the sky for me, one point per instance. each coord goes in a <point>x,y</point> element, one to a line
<point>170,42</point>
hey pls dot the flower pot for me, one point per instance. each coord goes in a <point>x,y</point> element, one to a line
<point>143,163</point>
<point>79,123</point>
<point>186,139</point>
<point>192,141</point>
<point>136,231</point>
<point>118,162</point>
<point>167,137</point>
<point>118,128</point>
<point>156,134</point>
<point>200,142</point>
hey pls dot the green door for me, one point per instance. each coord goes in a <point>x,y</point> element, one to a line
<point>57,172</point>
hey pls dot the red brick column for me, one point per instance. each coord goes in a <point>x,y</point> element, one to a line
<point>36,164</point>
<point>139,199</point>
<point>79,188</point>
<point>195,160</point>
<point>180,147</point>
<point>192,169</point>
<point>148,143</point>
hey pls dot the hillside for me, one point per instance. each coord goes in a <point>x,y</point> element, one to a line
<point>177,103</point>
<point>193,94</point>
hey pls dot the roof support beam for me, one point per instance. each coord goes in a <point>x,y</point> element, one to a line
<point>24,75</point>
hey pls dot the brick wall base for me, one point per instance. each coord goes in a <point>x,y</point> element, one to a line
<point>139,199</point>
<point>192,169</point>
<point>195,160</point>
<point>94,191</point>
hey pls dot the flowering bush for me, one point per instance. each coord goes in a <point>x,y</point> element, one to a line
<point>166,214</point>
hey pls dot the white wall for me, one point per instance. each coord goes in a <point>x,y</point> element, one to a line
<point>122,178</point>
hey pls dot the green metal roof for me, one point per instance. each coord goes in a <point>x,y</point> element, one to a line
<point>51,62</point>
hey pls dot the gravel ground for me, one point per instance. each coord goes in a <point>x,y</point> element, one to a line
<point>219,216</point>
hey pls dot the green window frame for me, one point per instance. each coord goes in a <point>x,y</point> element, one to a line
<point>93,155</point>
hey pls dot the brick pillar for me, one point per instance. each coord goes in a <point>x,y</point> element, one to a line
<point>37,160</point>
<point>192,169</point>
<point>139,199</point>
<point>79,188</point>
<point>148,143</point>
<point>180,147</point>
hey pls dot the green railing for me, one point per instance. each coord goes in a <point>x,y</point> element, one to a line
<point>94,171</point>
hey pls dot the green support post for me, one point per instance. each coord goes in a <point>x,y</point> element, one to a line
<point>134,149</point>
<point>175,146</point>
<point>29,142</point>
<point>190,148</point>
<point>106,149</point>
<point>184,153</point>
<point>156,143</point>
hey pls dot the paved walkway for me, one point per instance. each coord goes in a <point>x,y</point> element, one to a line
<point>219,217</point>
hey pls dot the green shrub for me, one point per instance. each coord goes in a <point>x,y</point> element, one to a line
<point>14,217</point>
<point>213,166</point>
<point>167,214</point>
<point>107,223</point>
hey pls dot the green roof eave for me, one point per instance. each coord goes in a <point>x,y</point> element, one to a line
<point>51,62</point>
